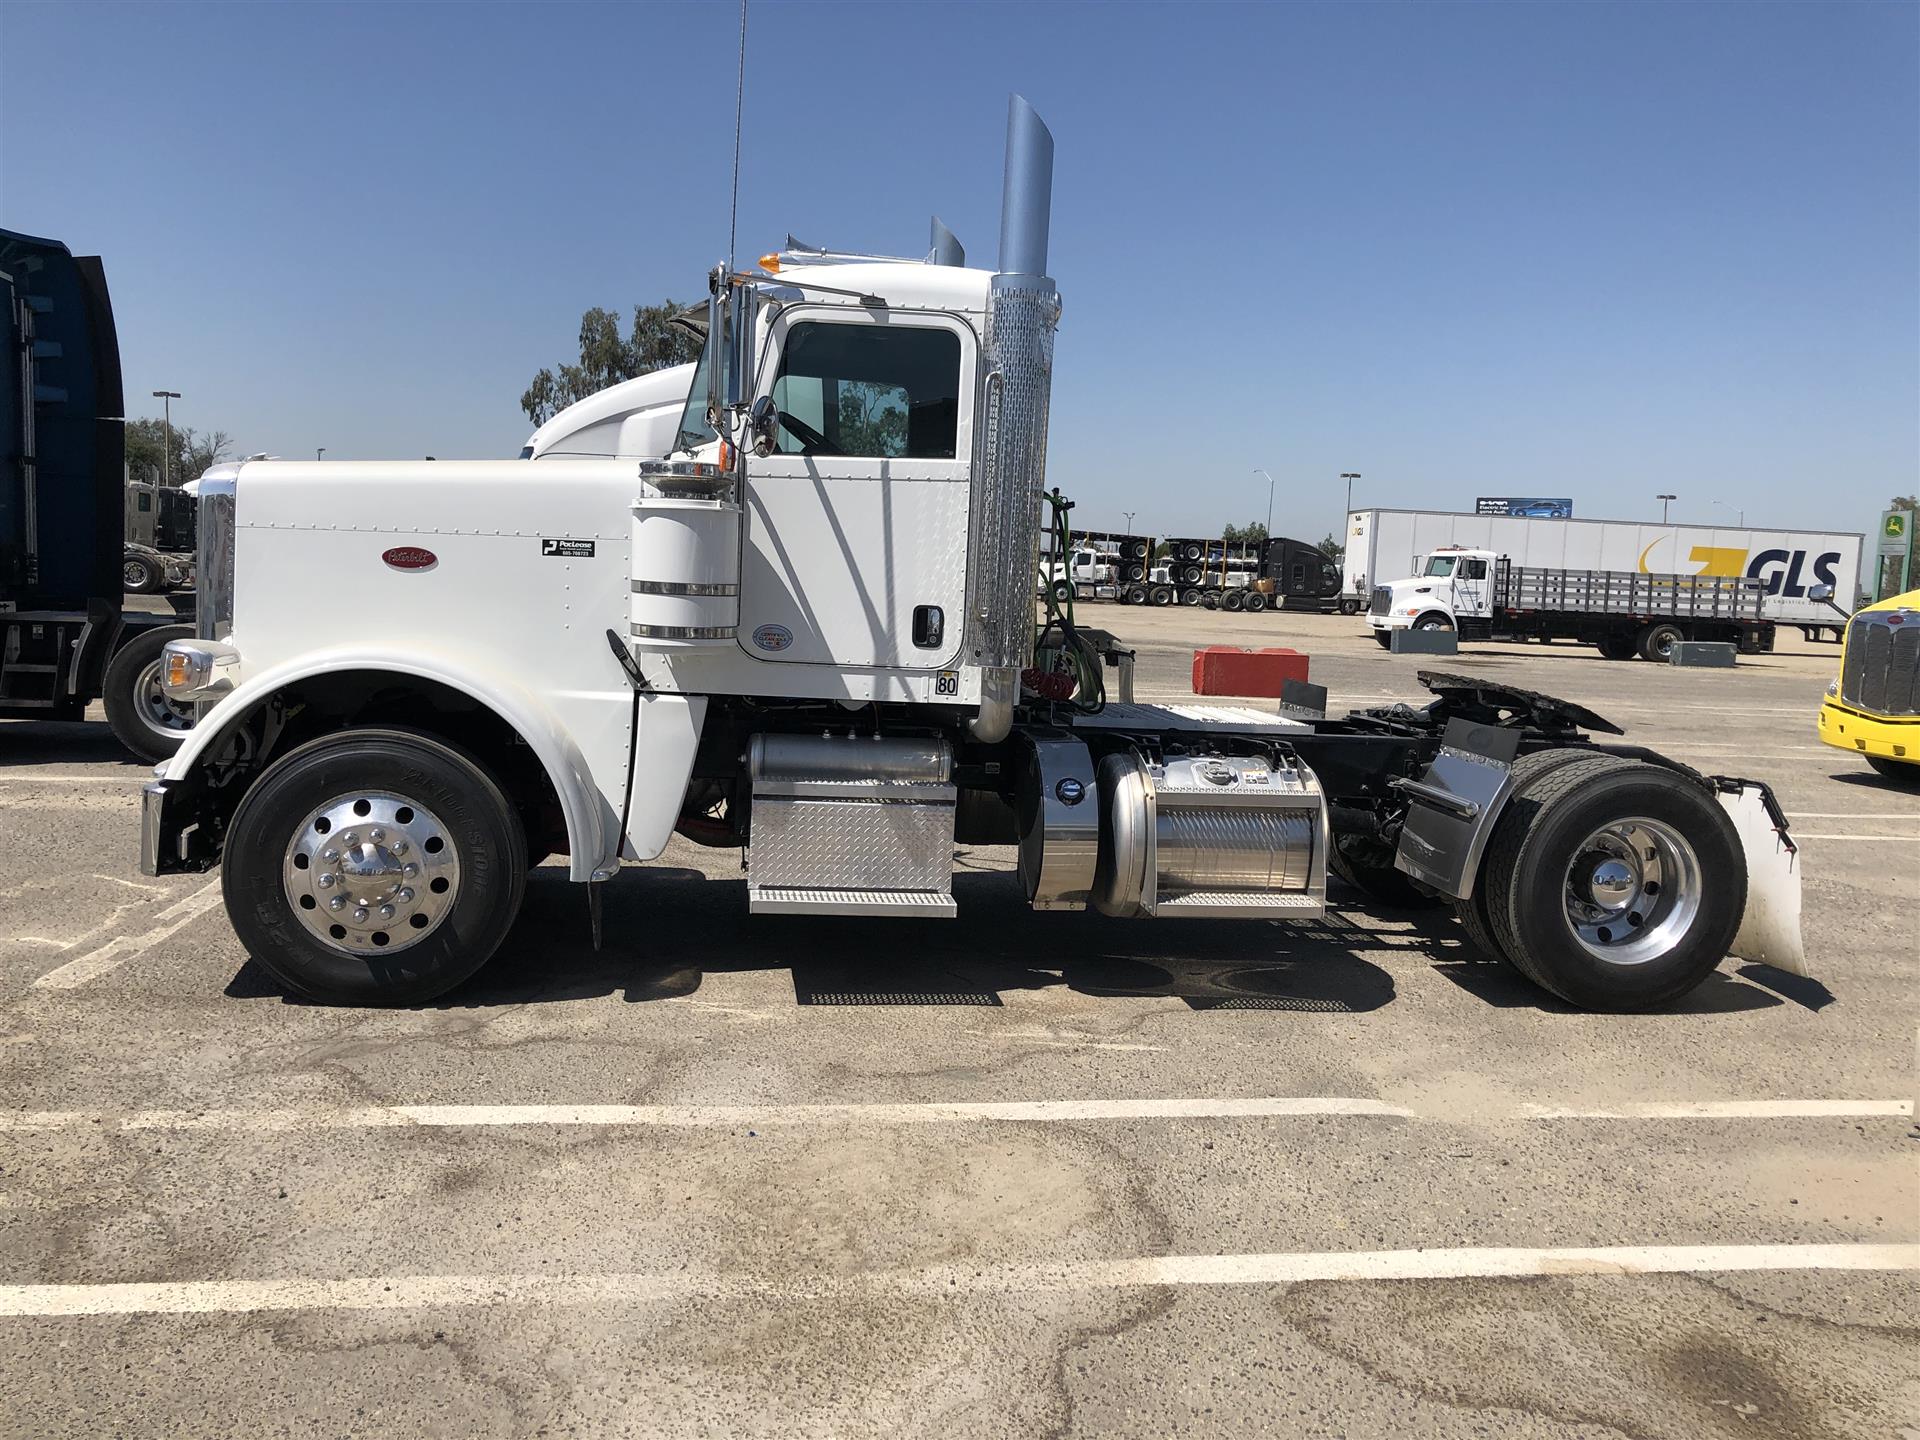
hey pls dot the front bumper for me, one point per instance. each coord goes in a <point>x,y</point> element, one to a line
<point>175,836</point>
<point>1864,734</point>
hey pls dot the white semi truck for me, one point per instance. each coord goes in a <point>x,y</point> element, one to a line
<point>1384,546</point>
<point>807,630</point>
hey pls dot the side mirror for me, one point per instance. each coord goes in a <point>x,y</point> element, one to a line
<point>763,419</point>
<point>1820,592</point>
<point>739,351</point>
<point>716,322</point>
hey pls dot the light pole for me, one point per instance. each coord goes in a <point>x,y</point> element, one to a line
<point>166,399</point>
<point>321,453</point>
<point>1258,471</point>
<point>1740,512</point>
<point>1349,476</point>
<point>1663,499</point>
<point>1129,514</point>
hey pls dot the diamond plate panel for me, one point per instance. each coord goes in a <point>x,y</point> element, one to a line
<point>1010,468</point>
<point>851,845</point>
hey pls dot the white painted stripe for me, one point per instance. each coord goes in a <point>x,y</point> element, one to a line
<point>412,1292</point>
<point>1896,816</point>
<point>130,781</point>
<point>122,948</point>
<point>1803,835</point>
<point>374,1117</point>
<point>1726,1110</point>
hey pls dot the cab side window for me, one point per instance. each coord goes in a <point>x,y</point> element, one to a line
<point>871,391</point>
<point>1475,570</point>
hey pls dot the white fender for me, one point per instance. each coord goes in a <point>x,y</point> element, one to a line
<point>1770,928</point>
<point>590,820</point>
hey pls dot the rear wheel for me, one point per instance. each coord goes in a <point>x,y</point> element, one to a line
<point>1616,647</point>
<point>1904,772</point>
<point>1657,641</point>
<point>142,717</point>
<point>1162,595</point>
<point>373,867</point>
<point>142,574</point>
<point>1472,912</point>
<point>1136,595</point>
<point>1256,602</point>
<point>1190,595</point>
<point>1615,884</point>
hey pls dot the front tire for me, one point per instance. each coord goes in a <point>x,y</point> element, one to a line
<point>1256,602</point>
<point>1616,647</point>
<point>141,716</point>
<point>1900,772</point>
<point>1615,885</point>
<point>1349,607</point>
<point>141,574</point>
<point>1433,622</point>
<point>1385,637</point>
<point>374,867</point>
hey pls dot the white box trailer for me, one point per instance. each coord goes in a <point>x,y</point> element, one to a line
<point>1386,545</point>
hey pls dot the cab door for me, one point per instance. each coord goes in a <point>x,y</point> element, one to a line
<point>856,525</point>
<point>1470,588</point>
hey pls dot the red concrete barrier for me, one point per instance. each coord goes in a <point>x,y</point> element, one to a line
<point>1230,670</point>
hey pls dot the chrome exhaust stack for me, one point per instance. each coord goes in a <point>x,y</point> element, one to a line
<point>1010,452</point>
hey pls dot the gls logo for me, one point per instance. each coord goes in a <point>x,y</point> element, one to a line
<point>1782,571</point>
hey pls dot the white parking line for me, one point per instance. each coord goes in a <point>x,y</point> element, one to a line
<point>127,780</point>
<point>1803,835</point>
<point>373,1117</point>
<point>122,948</point>
<point>412,1292</point>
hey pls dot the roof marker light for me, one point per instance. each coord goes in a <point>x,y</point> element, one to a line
<point>770,262</point>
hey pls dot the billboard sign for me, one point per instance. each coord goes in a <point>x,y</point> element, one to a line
<point>1523,505</point>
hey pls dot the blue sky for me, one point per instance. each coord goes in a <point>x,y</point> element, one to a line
<point>1551,249</point>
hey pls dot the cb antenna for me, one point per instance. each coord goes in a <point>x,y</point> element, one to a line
<point>739,94</point>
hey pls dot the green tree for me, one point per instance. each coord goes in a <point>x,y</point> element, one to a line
<point>1250,534</point>
<point>193,451</point>
<point>873,418</point>
<point>1903,502</point>
<point>1333,549</point>
<point>607,357</point>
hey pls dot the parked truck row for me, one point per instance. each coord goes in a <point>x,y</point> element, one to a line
<point>1277,573</point>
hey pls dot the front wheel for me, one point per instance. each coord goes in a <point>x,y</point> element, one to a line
<point>1062,592</point>
<point>1349,607</point>
<point>373,867</point>
<point>1617,886</point>
<point>1901,772</point>
<point>1616,647</point>
<point>141,574</point>
<point>1256,602</point>
<point>1385,637</point>
<point>142,717</point>
<point>1433,622</point>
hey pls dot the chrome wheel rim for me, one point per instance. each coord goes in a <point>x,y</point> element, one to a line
<point>157,712</point>
<point>133,573</point>
<point>371,872</point>
<point>1632,891</point>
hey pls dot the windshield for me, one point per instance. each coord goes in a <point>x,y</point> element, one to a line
<point>694,429</point>
<point>1440,565</point>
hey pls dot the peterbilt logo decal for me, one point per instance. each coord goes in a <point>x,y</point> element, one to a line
<point>1781,571</point>
<point>410,557</point>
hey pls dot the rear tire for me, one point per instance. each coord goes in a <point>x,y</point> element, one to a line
<point>1136,595</point>
<point>1161,595</point>
<point>1616,647</point>
<point>1233,600</point>
<point>1657,641</point>
<point>1615,884</point>
<point>141,716</point>
<point>1190,595</point>
<point>277,860</point>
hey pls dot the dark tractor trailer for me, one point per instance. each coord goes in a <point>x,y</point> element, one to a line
<point>66,638</point>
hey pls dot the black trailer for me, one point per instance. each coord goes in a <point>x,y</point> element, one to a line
<point>65,636</point>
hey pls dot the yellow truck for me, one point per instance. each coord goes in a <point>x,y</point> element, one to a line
<point>1873,708</point>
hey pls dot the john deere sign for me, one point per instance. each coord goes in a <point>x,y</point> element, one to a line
<point>1896,571</point>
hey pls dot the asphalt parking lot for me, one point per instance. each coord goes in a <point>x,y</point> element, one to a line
<point>1016,1174</point>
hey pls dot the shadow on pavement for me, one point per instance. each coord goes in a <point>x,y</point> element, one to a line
<point>64,742</point>
<point>666,928</point>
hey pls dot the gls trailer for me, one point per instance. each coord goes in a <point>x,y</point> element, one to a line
<point>1384,546</point>
<point>813,637</point>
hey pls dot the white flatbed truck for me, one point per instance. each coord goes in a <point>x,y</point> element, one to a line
<point>808,631</point>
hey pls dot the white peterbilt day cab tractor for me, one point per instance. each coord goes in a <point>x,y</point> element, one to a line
<point>807,628</point>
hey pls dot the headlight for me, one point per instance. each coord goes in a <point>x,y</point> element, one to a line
<point>1833,686</point>
<point>197,669</point>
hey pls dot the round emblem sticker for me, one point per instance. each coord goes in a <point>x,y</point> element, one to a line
<point>410,557</point>
<point>772,637</point>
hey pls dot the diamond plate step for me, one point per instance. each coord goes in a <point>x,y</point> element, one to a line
<point>915,904</point>
<point>1214,904</point>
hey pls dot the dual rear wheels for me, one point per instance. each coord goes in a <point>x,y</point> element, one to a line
<point>374,867</point>
<point>1613,883</point>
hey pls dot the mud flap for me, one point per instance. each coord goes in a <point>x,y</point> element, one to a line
<point>1770,929</point>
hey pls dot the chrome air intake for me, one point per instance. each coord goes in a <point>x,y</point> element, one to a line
<point>1010,460</point>
<point>215,499</point>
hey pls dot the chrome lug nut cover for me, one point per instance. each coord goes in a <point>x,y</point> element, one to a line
<point>375,902</point>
